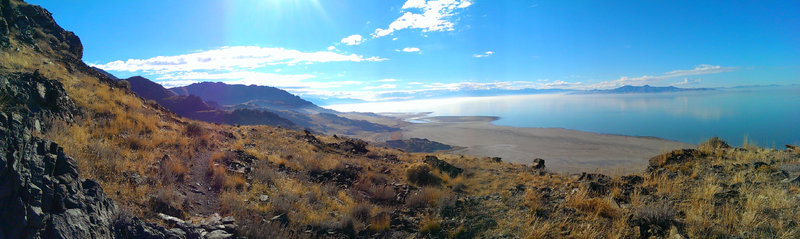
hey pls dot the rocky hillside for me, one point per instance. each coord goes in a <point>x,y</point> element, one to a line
<point>83,157</point>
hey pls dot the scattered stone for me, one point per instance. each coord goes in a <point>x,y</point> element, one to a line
<point>343,176</point>
<point>263,198</point>
<point>497,159</point>
<point>353,146</point>
<point>133,177</point>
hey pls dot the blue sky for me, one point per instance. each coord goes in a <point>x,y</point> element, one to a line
<point>384,50</point>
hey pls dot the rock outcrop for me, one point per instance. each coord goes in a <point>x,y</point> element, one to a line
<point>35,97</point>
<point>41,193</point>
<point>27,23</point>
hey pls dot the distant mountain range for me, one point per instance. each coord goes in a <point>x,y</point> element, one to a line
<point>629,89</point>
<point>264,96</point>
<point>194,107</point>
<point>249,105</point>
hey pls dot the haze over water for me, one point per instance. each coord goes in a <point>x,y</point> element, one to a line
<point>768,116</point>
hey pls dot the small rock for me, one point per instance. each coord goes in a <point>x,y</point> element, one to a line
<point>263,198</point>
<point>538,163</point>
<point>218,234</point>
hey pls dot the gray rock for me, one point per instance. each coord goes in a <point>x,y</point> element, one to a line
<point>218,234</point>
<point>42,195</point>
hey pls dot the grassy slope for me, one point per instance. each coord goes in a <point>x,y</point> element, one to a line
<point>119,134</point>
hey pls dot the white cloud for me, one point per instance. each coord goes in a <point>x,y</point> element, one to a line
<point>383,86</point>
<point>296,81</point>
<point>415,83</point>
<point>485,54</point>
<point>686,81</point>
<point>230,58</point>
<point>387,80</point>
<point>331,48</point>
<point>176,83</point>
<point>646,80</point>
<point>435,16</point>
<point>410,49</point>
<point>353,40</point>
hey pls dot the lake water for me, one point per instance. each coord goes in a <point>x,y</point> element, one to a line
<point>768,116</point>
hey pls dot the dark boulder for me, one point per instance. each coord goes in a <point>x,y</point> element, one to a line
<point>597,184</point>
<point>674,157</point>
<point>538,163</point>
<point>352,146</point>
<point>443,166</point>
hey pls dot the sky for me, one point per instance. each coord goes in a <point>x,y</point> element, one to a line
<point>394,50</point>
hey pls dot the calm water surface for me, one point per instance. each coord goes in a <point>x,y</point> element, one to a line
<point>765,116</point>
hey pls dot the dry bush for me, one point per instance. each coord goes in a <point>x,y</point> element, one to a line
<point>603,207</point>
<point>194,130</point>
<point>424,198</point>
<point>172,170</point>
<point>360,212</point>
<point>420,174</point>
<point>380,222</point>
<point>263,172</point>
<point>430,226</point>
<point>381,193</point>
<point>653,217</point>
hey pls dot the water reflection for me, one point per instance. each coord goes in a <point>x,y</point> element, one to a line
<point>768,116</point>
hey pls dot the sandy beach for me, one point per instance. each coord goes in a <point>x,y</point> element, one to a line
<point>568,151</point>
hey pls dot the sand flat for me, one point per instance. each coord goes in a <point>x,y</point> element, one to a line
<point>564,150</point>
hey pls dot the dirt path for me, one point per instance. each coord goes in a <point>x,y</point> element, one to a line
<point>201,199</point>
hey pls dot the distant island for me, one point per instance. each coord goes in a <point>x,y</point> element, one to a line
<point>629,89</point>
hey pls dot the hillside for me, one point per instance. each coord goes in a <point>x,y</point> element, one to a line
<point>83,157</point>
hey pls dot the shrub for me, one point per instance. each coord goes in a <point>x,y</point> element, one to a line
<point>172,170</point>
<point>380,222</point>
<point>653,218</point>
<point>383,193</point>
<point>193,130</point>
<point>430,226</point>
<point>420,174</point>
<point>124,84</point>
<point>425,197</point>
<point>360,212</point>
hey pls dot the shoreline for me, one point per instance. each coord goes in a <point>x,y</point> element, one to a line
<point>564,150</point>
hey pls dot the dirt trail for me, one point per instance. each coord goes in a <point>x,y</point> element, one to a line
<point>201,199</point>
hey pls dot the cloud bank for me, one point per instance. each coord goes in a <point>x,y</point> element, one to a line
<point>230,58</point>
<point>429,16</point>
